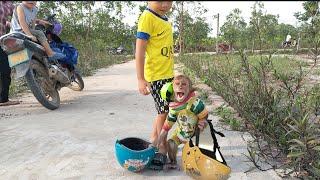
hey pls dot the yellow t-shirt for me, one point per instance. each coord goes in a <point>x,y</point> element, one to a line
<point>159,52</point>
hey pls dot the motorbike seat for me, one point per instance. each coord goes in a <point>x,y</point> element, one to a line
<point>32,44</point>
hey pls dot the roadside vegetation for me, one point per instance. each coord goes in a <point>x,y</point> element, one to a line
<point>273,95</point>
<point>274,102</point>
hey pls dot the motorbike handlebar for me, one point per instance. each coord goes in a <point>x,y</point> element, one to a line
<point>50,17</point>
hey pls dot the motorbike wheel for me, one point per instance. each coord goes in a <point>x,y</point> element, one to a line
<point>77,83</point>
<point>38,81</point>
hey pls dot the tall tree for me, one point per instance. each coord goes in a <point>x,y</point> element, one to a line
<point>262,25</point>
<point>181,13</point>
<point>234,28</point>
<point>311,25</point>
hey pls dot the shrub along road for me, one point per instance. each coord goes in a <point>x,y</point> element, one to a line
<point>77,140</point>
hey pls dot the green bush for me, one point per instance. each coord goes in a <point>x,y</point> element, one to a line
<point>270,95</point>
<point>227,116</point>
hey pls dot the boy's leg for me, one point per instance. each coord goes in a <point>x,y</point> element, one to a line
<point>44,42</point>
<point>157,126</point>
<point>154,134</point>
<point>161,106</point>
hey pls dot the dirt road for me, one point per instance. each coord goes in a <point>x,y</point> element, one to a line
<point>77,140</point>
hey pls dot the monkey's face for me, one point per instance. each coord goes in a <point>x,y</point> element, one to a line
<point>181,88</point>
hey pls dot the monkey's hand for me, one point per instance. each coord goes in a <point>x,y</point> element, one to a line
<point>202,124</point>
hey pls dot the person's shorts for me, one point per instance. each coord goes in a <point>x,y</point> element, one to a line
<point>161,105</point>
<point>39,35</point>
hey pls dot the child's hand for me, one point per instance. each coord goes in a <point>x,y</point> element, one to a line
<point>202,124</point>
<point>43,22</point>
<point>144,87</point>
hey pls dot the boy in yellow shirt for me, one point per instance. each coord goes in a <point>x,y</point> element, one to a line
<point>154,57</point>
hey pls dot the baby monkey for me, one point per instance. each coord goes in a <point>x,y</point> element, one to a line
<point>188,111</point>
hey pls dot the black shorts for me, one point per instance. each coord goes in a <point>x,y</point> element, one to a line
<point>161,105</point>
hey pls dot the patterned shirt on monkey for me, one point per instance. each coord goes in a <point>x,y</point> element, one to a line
<point>187,114</point>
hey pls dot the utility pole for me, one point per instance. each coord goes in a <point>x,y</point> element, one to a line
<point>181,31</point>
<point>217,16</point>
<point>298,43</point>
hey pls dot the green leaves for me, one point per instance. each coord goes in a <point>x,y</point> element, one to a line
<point>273,102</point>
<point>295,154</point>
<point>233,30</point>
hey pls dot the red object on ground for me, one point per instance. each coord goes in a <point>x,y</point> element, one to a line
<point>223,47</point>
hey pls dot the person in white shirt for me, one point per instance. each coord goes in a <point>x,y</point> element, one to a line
<point>288,39</point>
<point>287,42</point>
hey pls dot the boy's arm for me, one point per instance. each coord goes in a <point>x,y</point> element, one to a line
<point>43,22</point>
<point>140,55</point>
<point>22,21</point>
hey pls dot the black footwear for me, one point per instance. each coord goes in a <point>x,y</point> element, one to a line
<point>9,103</point>
<point>158,162</point>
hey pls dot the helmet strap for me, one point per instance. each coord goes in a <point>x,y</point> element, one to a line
<point>215,141</point>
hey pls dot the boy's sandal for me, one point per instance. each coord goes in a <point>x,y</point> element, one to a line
<point>158,161</point>
<point>155,167</point>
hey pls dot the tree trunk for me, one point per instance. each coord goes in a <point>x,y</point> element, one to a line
<point>298,43</point>
<point>252,46</point>
<point>90,21</point>
<point>181,31</point>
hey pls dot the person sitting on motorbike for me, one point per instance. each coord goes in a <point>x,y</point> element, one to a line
<point>23,20</point>
<point>288,40</point>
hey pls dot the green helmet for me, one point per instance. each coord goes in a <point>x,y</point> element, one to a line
<point>166,92</point>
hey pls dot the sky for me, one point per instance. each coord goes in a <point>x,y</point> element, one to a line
<point>285,9</point>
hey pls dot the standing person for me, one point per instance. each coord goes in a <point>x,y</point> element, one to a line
<point>154,57</point>
<point>6,8</point>
<point>24,19</point>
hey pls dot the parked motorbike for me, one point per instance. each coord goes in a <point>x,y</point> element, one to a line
<point>44,78</point>
<point>121,50</point>
<point>117,51</point>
